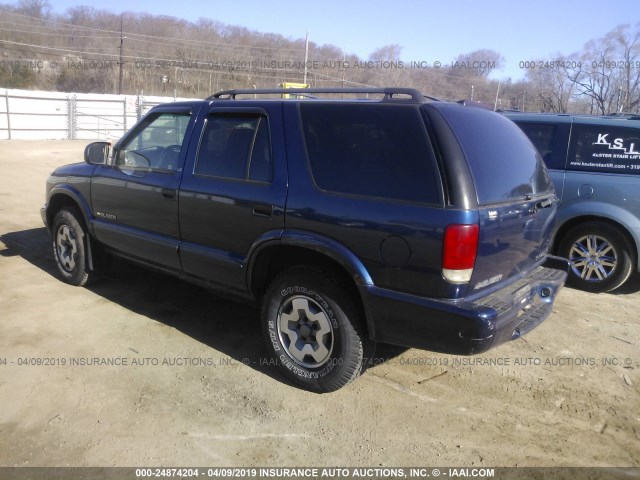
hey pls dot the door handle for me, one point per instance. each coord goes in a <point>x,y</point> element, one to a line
<point>262,210</point>
<point>169,193</point>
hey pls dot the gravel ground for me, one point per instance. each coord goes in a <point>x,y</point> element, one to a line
<point>188,384</point>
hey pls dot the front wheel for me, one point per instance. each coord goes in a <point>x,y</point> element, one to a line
<point>600,257</point>
<point>69,247</point>
<point>313,330</point>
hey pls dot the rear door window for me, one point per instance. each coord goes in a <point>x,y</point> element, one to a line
<point>370,150</point>
<point>605,149</point>
<point>236,146</point>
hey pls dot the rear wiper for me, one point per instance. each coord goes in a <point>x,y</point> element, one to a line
<point>546,203</point>
<point>543,203</point>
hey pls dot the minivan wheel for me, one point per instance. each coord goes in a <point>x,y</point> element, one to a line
<point>313,330</point>
<point>69,251</point>
<point>599,255</point>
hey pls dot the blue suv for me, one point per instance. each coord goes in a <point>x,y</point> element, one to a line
<point>378,216</point>
<point>595,165</point>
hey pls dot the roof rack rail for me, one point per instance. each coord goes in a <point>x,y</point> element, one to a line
<point>627,115</point>
<point>389,93</point>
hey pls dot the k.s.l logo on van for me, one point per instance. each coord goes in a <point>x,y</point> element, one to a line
<point>617,144</point>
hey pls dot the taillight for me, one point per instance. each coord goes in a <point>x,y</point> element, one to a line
<point>459,252</point>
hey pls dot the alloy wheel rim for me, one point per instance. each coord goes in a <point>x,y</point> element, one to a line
<point>305,331</point>
<point>593,258</point>
<point>67,248</point>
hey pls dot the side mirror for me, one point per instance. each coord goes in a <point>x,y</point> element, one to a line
<point>97,153</point>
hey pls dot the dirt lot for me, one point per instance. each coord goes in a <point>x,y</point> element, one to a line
<point>192,390</point>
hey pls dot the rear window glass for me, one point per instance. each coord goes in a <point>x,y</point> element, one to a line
<point>371,150</point>
<point>605,149</point>
<point>504,164</point>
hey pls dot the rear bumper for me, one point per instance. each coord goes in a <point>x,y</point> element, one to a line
<point>465,327</point>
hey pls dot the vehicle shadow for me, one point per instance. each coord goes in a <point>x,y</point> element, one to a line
<point>32,245</point>
<point>226,326</point>
<point>631,286</point>
<point>230,328</point>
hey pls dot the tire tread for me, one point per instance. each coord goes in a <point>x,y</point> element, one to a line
<point>360,344</point>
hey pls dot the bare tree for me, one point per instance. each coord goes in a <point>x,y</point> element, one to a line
<point>479,63</point>
<point>165,54</point>
<point>628,43</point>
<point>552,84</point>
<point>388,52</point>
<point>35,8</point>
<point>594,75</point>
<point>609,74</point>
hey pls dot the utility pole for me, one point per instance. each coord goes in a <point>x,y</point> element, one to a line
<point>344,59</point>
<point>121,62</point>
<point>306,56</point>
<point>620,102</point>
<point>495,105</point>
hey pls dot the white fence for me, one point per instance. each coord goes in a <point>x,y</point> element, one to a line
<point>38,115</point>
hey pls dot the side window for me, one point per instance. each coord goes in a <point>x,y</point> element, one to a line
<point>371,150</point>
<point>236,147</point>
<point>542,136</point>
<point>156,143</point>
<point>606,149</point>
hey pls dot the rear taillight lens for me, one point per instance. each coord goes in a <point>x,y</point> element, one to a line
<point>459,252</point>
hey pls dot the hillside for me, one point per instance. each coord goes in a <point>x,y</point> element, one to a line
<point>91,50</point>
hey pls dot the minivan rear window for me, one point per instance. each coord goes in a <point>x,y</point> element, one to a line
<point>504,164</point>
<point>549,139</point>
<point>605,149</point>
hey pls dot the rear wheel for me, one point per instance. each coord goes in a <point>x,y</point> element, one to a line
<point>600,257</point>
<point>314,330</point>
<point>69,247</point>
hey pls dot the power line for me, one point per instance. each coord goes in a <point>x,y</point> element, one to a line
<point>215,50</point>
<point>204,42</point>
<point>198,45</point>
<point>59,35</point>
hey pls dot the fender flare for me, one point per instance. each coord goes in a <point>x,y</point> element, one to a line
<point>78,199</point>
<point>314,242</point>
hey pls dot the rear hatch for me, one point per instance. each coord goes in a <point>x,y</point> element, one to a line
<point>514,194</point>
